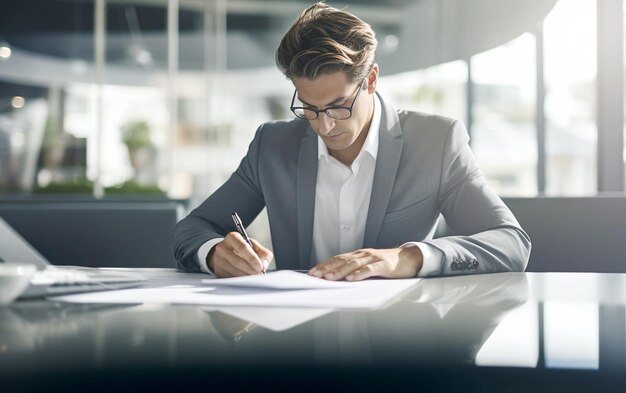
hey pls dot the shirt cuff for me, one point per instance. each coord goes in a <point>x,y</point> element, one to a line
<point>432,259</point>
<point>203,252</point>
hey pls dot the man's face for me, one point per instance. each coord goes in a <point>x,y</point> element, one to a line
<point>340,136</point>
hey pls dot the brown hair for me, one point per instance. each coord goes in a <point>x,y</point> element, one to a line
<point>324,40</point>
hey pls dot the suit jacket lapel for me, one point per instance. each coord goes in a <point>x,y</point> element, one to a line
<point>389,152</point>
<point>307,178</point>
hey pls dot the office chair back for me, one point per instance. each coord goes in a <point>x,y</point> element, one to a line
<point>98,233</point>
<point>579,234</point>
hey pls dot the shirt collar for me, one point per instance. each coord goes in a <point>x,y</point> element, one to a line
<point>371,142</point>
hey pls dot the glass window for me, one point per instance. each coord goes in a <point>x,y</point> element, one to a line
<point>39,60</point>
<point>624,153</point>
<point>504,137</point>
<point>222,97</point>
<point>439,89</point>
<point>134,142</point>
<point>570,82</point>
<point>48,140</point>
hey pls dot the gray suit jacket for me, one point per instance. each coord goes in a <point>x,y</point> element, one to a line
<point>424,167</point>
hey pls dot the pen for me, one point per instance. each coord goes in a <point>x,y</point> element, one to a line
<point>242,230</point>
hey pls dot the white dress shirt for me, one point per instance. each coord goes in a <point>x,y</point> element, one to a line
<point>342,196</point>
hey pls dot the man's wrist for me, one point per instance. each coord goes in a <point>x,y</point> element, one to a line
<point>432,258</point>
<point>203,253</point>
<point>414,257</point>
<point>209,258</point>
<point>419,258</point>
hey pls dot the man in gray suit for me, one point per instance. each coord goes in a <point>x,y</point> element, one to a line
<point>353,187</point>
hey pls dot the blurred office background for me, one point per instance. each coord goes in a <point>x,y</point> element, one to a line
<point>160,98</point>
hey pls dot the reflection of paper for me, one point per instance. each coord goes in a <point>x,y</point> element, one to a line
<point>280,279</point>
<point>274,318</point>
<point>354,295</point>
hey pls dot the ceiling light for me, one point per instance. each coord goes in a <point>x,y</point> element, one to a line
<point>139,55</point>
<point>5,51</point>
<point>79,66</point>
<point>390,43</point>
<point>18,102</point>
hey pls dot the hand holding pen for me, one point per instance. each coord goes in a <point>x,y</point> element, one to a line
<point>238,254</point>
<point>243,233</point>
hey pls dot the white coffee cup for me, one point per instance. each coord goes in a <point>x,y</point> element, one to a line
<point>14,279</point>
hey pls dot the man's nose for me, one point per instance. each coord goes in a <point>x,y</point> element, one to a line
<point>324,123</point>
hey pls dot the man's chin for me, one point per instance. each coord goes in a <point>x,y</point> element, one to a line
<point>337,146</point>
<point>337,142</point>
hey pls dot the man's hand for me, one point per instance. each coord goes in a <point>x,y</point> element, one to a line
<point>233,257</point>
<point>361,264</point>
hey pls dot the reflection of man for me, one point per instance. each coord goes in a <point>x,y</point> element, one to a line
<point>443,321</point>
<point>352,187</point>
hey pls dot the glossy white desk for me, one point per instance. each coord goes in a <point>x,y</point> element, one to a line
<point>499,332</point>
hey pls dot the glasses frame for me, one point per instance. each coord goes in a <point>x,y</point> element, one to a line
<point>325,110</point>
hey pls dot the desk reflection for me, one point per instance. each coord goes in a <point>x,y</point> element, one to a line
<point>445,321</point>
<point>439,321</point>
<point>28,326</point>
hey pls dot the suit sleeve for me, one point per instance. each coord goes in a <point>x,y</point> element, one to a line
<point>488,237</point>
<point>241,193</point>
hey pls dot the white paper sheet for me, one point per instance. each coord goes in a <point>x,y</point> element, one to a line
<point>280,279</point>
<point>335,295</point>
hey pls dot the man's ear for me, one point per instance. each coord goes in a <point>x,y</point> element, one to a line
<point>372,79</point>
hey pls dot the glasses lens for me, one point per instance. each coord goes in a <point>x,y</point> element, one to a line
<point>305,113</point>
<point>339,113</point>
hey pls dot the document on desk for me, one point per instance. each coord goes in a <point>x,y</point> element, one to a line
<point>280,279</point>
<point>275,289</point>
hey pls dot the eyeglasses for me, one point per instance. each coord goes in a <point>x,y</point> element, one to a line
<point>334,112</point>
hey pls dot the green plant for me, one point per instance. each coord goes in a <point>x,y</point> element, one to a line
<point>132,187</point>
<point>136,134</point>
<point>84,186</point>
<point>74,186</point>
